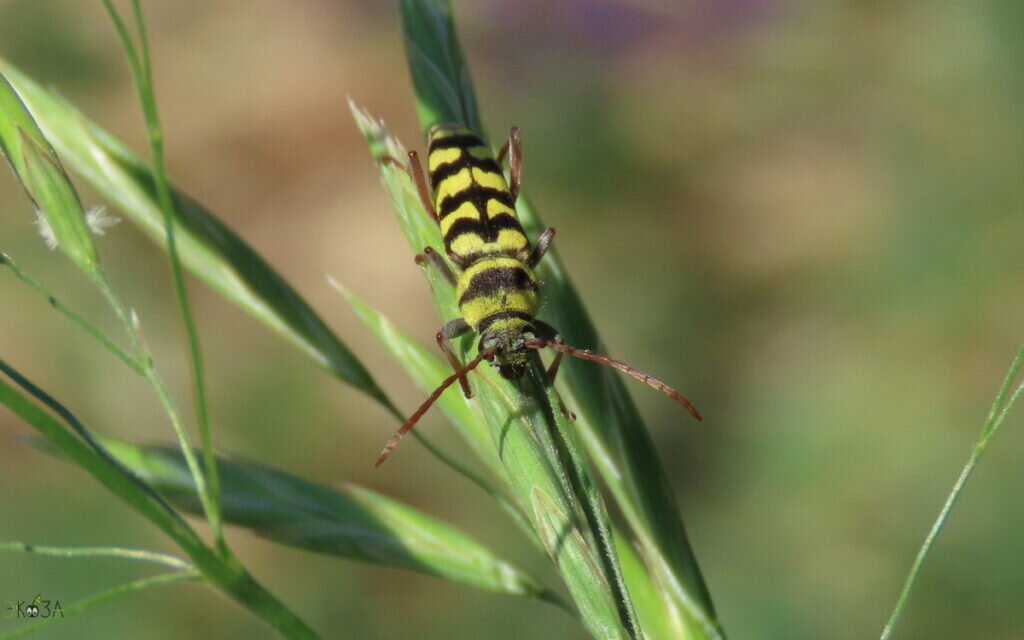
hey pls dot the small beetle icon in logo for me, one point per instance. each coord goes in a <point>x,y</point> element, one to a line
<point>32,610</point>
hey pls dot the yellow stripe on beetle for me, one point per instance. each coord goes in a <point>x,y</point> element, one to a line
<point>466,211</point>
<point>477,310</point>
<point>509,241</point>
<point>443,156</point>
<point>453,185</point>
<point>468,244</point>
<point>489,179</point>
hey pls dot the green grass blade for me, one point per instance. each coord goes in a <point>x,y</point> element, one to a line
<point>208,248</point>
<point>520,422</point>
<point>585,487</point>
<point>443,87</point>
<point>609,424</point>
<point>1001,407</point>
<point>101,597</point>
<point>352,522</point>
<point>658,617</point>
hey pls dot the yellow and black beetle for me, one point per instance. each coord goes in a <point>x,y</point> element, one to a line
<point>498,293</point>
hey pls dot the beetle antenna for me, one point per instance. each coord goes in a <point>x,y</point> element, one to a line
<point>449,381</point>
<point>584,354</point>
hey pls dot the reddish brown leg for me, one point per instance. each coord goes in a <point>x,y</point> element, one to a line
<point>451,330</point>
<point>456,327</point>
<point>550,333</point>
<point>421,184</point>
<point>434,259</point>
<point>541,247</point>
<point>415,171</point>
<point>514,148</point>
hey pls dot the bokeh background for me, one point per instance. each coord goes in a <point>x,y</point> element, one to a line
<point>806,215</point>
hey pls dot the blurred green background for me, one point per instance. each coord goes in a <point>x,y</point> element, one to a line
<point>805,215</point>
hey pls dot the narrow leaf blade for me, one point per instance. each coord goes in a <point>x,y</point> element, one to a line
<point>353,522</point>
<point>208,248</point>
<point>443,87</point>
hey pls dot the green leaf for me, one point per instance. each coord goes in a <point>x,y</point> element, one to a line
<point>659,617</point>
<point>208,248</point>
<point>579,567</point>
<point>444,89</point>
<point>608,423</point>
<point>40,172</point>
<point>352,522</point>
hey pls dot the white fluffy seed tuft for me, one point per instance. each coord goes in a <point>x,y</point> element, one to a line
<point>99,220</point>
<point>45,230</point>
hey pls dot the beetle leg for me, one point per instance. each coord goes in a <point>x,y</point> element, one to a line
<point>547,332</point>
<point>415,171</point>
<point>451,330</point>
<point>434,259</point>
<point>514,148</point>
<point>541,247</point>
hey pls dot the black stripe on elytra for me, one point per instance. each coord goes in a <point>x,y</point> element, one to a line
<point>487,231</point>
<point>491,282</point>
<point>476,194</point>
<point>449,169</point>
<point>462,140</point>
<point>486,323</point>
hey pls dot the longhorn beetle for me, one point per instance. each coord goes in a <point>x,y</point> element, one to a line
<point>496,288</point>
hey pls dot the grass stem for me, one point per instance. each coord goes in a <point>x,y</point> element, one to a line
<point>109,552</point>
<point>142,71</point>
<point>996,415</point>
<point>132,363</point>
